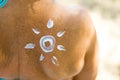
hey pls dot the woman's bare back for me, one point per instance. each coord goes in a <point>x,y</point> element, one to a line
<point>44,40</point>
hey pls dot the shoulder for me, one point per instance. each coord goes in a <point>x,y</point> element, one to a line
<point>78,26</point>
<point>79,23</point>
<point>79,31</point>
<point>76,17</point>
<point>82,19</point>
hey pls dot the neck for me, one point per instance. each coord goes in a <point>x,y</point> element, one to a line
<point>26,3</point>
<point>25,7</point>
<point>18,5</point>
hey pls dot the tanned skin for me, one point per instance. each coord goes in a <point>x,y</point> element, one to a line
<point>18,17</point>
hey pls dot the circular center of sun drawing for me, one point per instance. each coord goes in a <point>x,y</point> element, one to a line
<point>47,43</point>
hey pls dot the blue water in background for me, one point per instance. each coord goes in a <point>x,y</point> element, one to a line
<point>2,79</point>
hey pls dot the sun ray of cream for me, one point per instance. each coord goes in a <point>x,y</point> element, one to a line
<point>30,46</point>
<point>50,24</point>
<point>61,33</point>
<point>35,31</point>
<point>54,60</point>
<point>42,57</point>
<point>61,47</point>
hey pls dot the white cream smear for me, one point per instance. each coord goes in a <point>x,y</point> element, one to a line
<point>30,46</point>
<point>54,60</point>
<point>60,34</point>
<point>35,31</point>
<point>42,57</point>
<point>60,47</point>
<point>50,24</point>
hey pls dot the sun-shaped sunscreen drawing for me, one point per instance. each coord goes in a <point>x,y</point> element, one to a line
<point>50,39</point>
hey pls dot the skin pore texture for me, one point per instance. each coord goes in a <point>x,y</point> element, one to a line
<point>44,40</point>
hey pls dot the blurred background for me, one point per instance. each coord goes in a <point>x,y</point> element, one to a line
<point>106,18</point>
